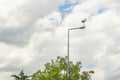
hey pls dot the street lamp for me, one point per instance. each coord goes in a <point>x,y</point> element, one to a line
<point>82,27</point>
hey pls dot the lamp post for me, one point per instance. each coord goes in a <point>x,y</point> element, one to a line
<point>68,67</point>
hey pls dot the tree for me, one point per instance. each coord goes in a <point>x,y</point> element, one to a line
<point>57,70</point>
<point>21,76</point>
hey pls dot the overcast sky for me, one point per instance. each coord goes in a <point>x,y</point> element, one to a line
<point>32,32</point>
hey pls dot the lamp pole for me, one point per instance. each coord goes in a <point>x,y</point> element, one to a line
<point>68,56</point>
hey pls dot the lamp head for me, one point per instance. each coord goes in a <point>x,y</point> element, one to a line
<point>83,21</point>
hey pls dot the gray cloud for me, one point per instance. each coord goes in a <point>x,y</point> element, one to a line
<point>15,36</point>
<point>27,16</point>
<point>97,46</point>
<point>114,75</point>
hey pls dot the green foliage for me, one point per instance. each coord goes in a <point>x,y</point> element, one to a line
<point>57,70</point>
<point>21,76</point>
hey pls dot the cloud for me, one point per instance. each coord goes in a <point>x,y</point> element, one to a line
<point>18,25</point>
<point>114,74</point>
<point>31,34</point>
<point>100,39</point>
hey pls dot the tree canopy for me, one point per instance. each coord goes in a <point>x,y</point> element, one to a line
<point>57,70</point>
<point>20,76</point>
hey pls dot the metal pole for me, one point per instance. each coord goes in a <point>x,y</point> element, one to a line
<point>68,56</point>
<point>68,67</point>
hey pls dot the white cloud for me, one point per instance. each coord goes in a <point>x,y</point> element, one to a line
<point>100,39</point>
<point>16,28</point>
<point>21,20</point>
<point>5,76</point>
<point>6,6</point>
<point>35,26</point>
